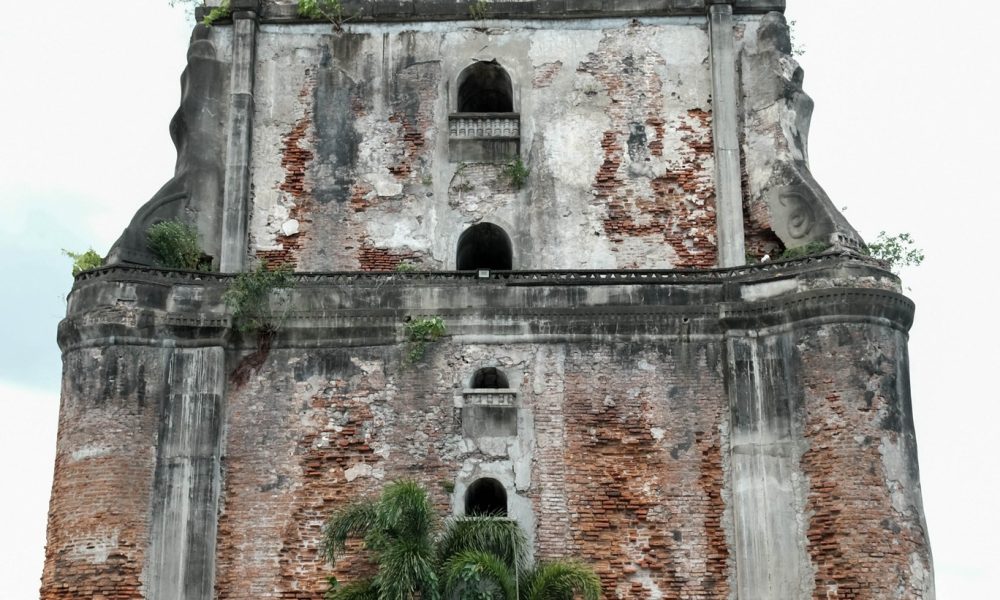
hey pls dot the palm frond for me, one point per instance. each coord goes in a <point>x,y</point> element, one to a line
<point>353,520</point>
<point>357,590</point>
<point>404,510</point>
<point>482,573</point>
<point>407,569</point>
<point>499,536</point>
<point>561,580</point>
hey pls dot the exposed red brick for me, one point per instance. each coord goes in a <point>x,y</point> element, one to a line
<point>681,210</point>
<point>288,454</point>
<point>362,197</point>
<point>295,159</point>
<point>760,239</point>
<point>860,544</point>
<point>98,527</point>
<point>656,146</point>
<point>643,512</point>
<point>384,259</point>
<point>545,74</point>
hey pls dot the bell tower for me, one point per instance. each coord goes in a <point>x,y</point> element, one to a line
<point>513,251</point>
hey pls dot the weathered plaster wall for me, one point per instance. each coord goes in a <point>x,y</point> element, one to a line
<point>351,168</point>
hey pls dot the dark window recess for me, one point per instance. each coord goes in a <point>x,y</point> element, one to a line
<point>489,378</point>
<point>484,246</point>
<point>485,87</point>
<point>486,498</point>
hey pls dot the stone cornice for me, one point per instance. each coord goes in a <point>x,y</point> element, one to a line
<point>750,273</point>
<point>450,10</point>
<point>128,305</point>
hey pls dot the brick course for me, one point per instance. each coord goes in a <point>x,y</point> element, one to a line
<point>98,529</point>
<point>863,543</point>
<point>628,475</point>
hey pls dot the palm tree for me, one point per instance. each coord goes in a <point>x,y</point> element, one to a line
<point>470,558</point>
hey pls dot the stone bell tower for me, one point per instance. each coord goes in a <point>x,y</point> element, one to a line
<point>574,190</point>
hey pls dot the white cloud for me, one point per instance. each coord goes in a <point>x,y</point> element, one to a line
<point>27,445</point>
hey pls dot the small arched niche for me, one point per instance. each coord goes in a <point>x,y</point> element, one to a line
<point>489,378</point>
<point>485,87</point>
<point>486,497</point>
<point>484,246</point>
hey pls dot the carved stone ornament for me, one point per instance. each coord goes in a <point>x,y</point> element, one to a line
<point>194,194</point>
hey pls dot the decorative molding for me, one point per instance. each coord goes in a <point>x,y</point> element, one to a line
<point>449,10</point>
<point>789,268</point>
<point>484,125</point>
<point>489,397</point>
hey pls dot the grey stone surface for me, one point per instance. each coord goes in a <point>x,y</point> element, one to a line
<point>767,485</point>
<point>395,10</point>
<point>345,309</point>
<point>725,129</point>
<point>489,421</point>
<point>483,150</point>
<point>186,489</point>
<point>198,131</point>
<point>236,196</point>
<point>777,113</point>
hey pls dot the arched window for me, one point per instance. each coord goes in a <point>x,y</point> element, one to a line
<point>489,378</point>
<point>485,87</point>
<point>486,498</point>
<point>484,246</point>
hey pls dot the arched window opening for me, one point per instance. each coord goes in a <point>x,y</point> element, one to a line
<point>486,498</point>
<point>485,87</point>
<point>484,246</point>
<point>489,378</point>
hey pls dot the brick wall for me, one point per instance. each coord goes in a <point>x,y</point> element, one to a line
<point>866,535</point>
<point>643,471</point>
<point>98,528</point>
<point>628,472</point>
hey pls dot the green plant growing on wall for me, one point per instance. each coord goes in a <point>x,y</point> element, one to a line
<point>804,250</point>
<point>420,332</point>
<point>218,12</point>
<point>175,246</point>
<point>797,49</point>
<point>896,251</point>
<point>84,261</point>
<point>517,172</point>
<point>463,186</point>
<point>329,10</point>
<point>468,558</point>
<point>249,298</point>
<point>405,267</point>
<point>479,10</point>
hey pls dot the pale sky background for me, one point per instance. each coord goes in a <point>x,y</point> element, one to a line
<point>904,135</point>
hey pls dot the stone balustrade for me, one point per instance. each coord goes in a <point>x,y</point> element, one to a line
<point>484,125</point>
<point>489,397</point>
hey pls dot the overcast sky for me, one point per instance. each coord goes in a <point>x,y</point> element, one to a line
<point>904,135</point>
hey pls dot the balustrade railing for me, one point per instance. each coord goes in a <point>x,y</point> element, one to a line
<point>484,125</point>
